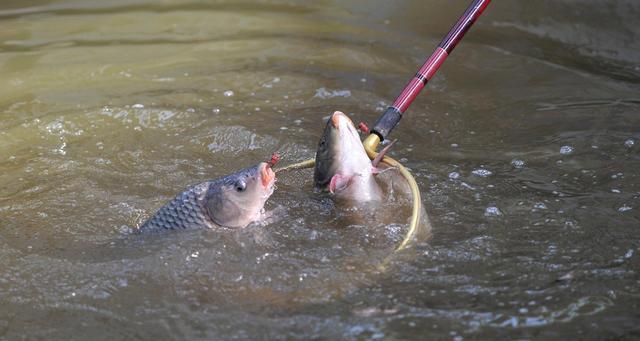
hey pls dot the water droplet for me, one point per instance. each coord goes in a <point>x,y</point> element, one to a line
<point>228,93</point>
<point>540,206</point>
<point>566,150</point>
<point>492,211</point>
<point>481,172</point>
<point>624,208</point>
<point>517,163</point>
<point>615,176</point>
<point>629,254</point>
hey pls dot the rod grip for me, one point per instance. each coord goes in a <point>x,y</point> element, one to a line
<point>387,122</point>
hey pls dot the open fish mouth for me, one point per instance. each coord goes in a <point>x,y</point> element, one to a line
<point>337,117</point>
<point>267,175</point>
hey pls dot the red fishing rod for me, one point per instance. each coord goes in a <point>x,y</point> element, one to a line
<point>394,113</point>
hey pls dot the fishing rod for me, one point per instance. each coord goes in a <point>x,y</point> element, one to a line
<point>392,116</point>
<point>394,113</point>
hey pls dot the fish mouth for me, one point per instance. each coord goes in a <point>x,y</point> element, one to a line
<point>267,175</point>
<point>339,117</point>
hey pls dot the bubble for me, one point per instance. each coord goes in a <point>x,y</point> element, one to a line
<point>624,208</point>
<point>628,254</point>
<point>517,163</point>
<point>629,143</point>
<point>216,110</point>
<point>454,175</point>
<point>492,211</point>
<point>325,93</point>
<point>228,93</point>
<point>454,145</point>
<point>138,106</point>
<point>540,206</point>
<point>481,172</point>
<point>566,150</point>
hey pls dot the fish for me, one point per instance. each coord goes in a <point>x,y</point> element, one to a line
<point>233,202</point>
<point>342,166</point>
<point>366,192</point>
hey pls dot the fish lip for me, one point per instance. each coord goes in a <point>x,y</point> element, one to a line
<point>335,119</point>
<point>267,175</point>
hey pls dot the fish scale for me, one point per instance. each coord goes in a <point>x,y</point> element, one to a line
<point>186,211</point>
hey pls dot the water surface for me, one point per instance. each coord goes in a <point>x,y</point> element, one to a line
<point>525,146</point>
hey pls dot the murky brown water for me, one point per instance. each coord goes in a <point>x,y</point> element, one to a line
<point>526,147</point>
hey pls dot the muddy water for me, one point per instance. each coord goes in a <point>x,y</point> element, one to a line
<point>525,145</point>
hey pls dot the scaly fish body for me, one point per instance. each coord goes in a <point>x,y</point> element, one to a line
<point>234,201</point>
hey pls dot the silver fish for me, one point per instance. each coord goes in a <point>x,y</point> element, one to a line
<point>342,165</point>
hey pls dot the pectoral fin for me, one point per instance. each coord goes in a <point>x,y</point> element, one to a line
<point>382,153</point>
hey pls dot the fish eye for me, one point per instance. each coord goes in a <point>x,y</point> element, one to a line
<point>240,186</point>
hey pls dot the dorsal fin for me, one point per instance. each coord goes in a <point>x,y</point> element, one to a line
<point>382,153</point>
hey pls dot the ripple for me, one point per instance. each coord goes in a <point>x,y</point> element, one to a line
<point>325,93</point>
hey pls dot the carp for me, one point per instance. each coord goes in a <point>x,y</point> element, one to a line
<point>233,201</point>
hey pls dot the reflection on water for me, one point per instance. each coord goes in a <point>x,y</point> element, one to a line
<point>525,146</point>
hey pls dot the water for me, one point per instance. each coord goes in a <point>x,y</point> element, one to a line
<point>108,109</point>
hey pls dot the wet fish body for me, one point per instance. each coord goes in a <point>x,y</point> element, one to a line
<point>342,165</point>
<point>233,201</point>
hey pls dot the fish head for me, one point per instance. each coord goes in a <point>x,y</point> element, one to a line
<point>238,199</point>
<point>340,155</point>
